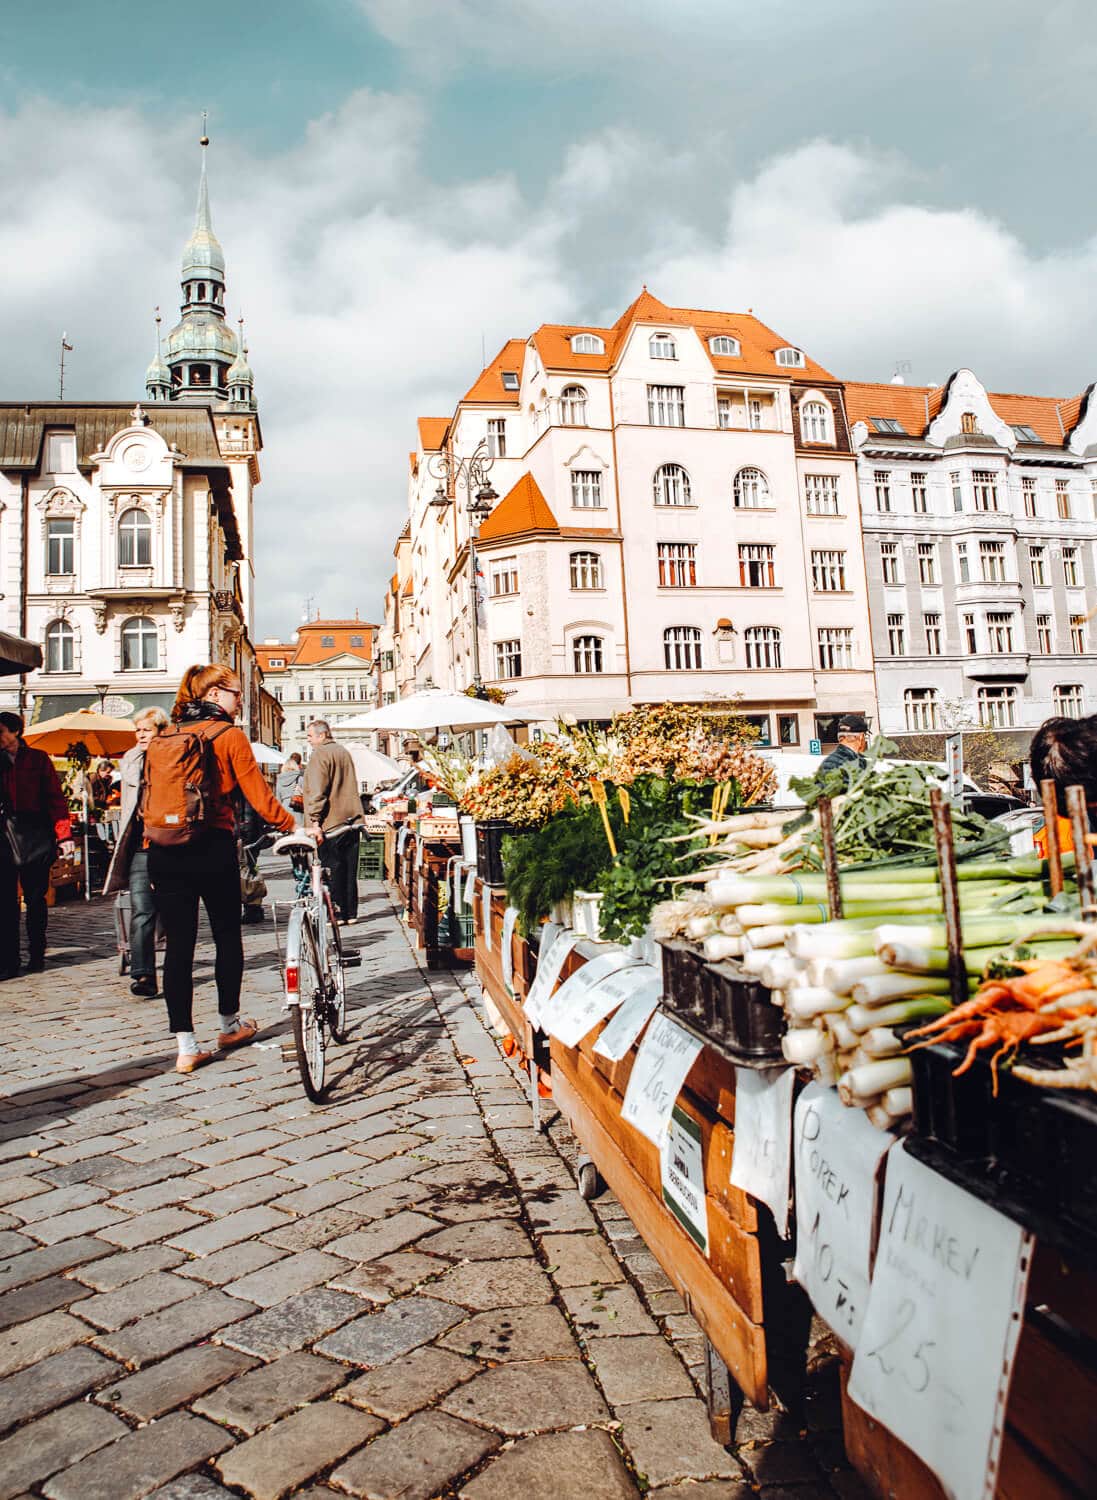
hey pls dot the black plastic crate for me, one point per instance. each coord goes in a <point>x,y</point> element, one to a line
<point>1029,1152</point>
<point>740,1014</point>
<point>682,966</point>
<point>490,833</point>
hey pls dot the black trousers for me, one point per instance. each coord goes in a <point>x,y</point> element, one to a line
<point>204,871</point>
<point>35,881</point>
<point>339,857</point>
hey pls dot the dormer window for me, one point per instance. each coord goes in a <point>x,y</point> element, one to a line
<point>510,380</point>
<point>661,346</point>
<point>587,343</point>
<point>722,344</point>
<point>327,641</point>
<point>790,359</point>
<point>888,425</point>
<point>968,424</point>
<point>815,422</point>
<point>1025,434</point>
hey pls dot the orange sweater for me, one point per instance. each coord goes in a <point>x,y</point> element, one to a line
<point>237,767</point>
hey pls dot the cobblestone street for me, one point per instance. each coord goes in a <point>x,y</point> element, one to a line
<point>209,1286</point>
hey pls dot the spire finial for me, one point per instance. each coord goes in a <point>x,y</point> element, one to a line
<point>202,218</point>
<point>158,355</point>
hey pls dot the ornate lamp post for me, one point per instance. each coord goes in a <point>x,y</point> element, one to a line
<point>102,688</point>
<point>470,473</point>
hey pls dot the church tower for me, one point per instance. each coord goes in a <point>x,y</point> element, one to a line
<point>201,350</point>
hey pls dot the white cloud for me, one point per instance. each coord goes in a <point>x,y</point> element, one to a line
<point>368,287</point>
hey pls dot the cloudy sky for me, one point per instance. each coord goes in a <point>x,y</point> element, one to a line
<point>399,183</point>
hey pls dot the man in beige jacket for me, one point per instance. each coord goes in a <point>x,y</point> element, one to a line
<point>333,815</point>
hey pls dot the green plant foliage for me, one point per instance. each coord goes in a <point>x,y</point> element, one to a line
<point>566,854</point>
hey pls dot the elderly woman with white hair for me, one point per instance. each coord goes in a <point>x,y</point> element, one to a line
<point>130,865</point>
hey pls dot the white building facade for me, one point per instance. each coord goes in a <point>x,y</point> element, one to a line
<point>980,521</point>
<point>678,522</point>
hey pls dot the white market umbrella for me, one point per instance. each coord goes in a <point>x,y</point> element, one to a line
<point>266,755</point>
<point>435,709</point>
<point>371,767</point>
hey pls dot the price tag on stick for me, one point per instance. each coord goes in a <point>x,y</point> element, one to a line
<point>837,1153</point>
<point>666,1055</point>
<point>633,1016</point>
<point>940,1332</point>
<point>762,1149</point>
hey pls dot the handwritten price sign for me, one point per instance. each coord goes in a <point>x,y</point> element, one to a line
<point>940,1331</point>
<point>549,966</point>
<point>762,1149</point>
<point>666,1055</point>
<point>836,1153</point>
<point>635,1013</point>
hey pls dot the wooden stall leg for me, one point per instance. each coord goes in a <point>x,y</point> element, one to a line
<point>724,1398</point>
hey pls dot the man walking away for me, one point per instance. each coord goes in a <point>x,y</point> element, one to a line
<point>849,754</point>
<point>333,815</point>
<point>35,818</point>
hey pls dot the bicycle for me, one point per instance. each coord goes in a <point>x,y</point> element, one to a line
<point>314,971</point>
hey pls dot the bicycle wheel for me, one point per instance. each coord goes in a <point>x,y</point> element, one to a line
<point>337,994</point>
<point>308,1016</point>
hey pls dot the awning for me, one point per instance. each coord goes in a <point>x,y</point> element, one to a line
<point>118,705</point>
<point>18,655</point>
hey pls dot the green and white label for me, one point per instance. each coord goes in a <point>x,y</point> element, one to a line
<point>683,1173</point>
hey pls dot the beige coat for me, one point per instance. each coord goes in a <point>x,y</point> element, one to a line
<point>331,787</point>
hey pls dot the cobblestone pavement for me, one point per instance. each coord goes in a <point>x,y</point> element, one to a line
<point>209,1286</point>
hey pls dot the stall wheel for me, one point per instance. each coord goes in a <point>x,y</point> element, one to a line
<point>590,1179</point>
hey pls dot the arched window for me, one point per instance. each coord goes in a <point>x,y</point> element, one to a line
<point>661,346</point>
<point>573,406</point>
<point>815,422</point>
<point>586,570</point>
<point>134,539</point>
<point>587,343</point>
<point>140,644</point>
<point>722,344</point>
<point>790,358</point>
<point>751,489</point>
<point>201,291</point>
<point>921,708</point>
<point>587,654</point>
<point>763,645</point>
<point>682,648</point>
<point>968,423</point>
<point>60,647</point>
<point>671,485</point>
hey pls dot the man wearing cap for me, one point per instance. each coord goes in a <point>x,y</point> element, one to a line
<point>849,753</point>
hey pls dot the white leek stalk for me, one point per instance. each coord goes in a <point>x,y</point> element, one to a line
<point>881,1041</point>
<point>871,1079</point>
<point>841,974</point>
<point>899,1101</point>
<point>878,989</point>
<point>845,1038</point>
<point>864,1017</point>
<point>700,927</point>
<point>719,946</point>
<point>767,937</point>
<point>826,1070</point>
<point>804,1002</point>
<point>805,1045</point>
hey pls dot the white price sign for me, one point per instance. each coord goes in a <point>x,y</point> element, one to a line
<point>683,1173</point>
<point>510,917</point>
<point>941,1329</point>
<point>566,1010</point>
<point>762,1149</point>
<point>645,990</point>
<point>485,915</point>
<point>837,1154</point>
<point>604,998</point>
<point>549,965</point>
<point>666,1055</point>
<point>470,887</point>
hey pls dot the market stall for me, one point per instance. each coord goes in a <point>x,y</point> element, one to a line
<point>791,1080</point>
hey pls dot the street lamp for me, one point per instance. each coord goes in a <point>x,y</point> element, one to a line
<point>102,688</point>
<point>470,472</point>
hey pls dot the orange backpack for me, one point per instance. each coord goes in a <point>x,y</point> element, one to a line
<point>179,788</point>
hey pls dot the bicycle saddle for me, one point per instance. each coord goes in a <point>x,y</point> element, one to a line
<point>295,843</point>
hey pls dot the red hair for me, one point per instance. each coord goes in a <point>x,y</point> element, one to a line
<point>197,682</point>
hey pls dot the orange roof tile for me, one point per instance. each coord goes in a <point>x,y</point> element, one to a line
<point>523,508</point>
<point>488,385</point>
<point>310,641</point>
<point>757,343</point>
<point>915,406</point>
<point>432,433</point>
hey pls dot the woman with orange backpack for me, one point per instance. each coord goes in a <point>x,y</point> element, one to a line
<point>191,771</point>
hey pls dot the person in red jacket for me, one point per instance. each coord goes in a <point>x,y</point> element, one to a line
<point>31,794</point>
<point>207,870</point>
